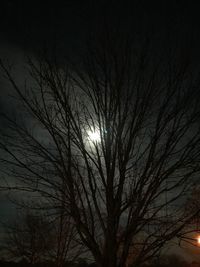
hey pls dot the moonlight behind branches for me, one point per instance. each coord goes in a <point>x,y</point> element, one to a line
<point>121,146</point>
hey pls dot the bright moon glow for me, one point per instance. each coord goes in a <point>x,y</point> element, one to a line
<point>198,240</point>
<point>94,136</point>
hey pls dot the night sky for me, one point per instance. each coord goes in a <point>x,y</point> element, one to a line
<point>27,27</point>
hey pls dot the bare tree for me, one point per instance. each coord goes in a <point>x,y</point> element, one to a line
<point>29,237</point>
<point>190,234</point>
<point>66,243</point>
<point>38,236</point>
<point>115,141</point>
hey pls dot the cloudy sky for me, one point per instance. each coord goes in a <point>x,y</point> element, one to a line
<point>27,27</point>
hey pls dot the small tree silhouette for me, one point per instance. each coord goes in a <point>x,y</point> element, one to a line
<point>29,238</point>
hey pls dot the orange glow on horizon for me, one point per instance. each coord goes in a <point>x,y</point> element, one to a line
<point>198,240</point>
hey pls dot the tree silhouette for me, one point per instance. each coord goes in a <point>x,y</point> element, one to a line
<point>66,244</point>
<point>36,237</point>
<point>114,140</point>
<point>29,238</point>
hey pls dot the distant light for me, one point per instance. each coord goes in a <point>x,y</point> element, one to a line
<point>94,136</point>
<point>198,240</point>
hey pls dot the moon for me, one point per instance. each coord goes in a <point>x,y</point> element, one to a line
<point>94,136</point>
